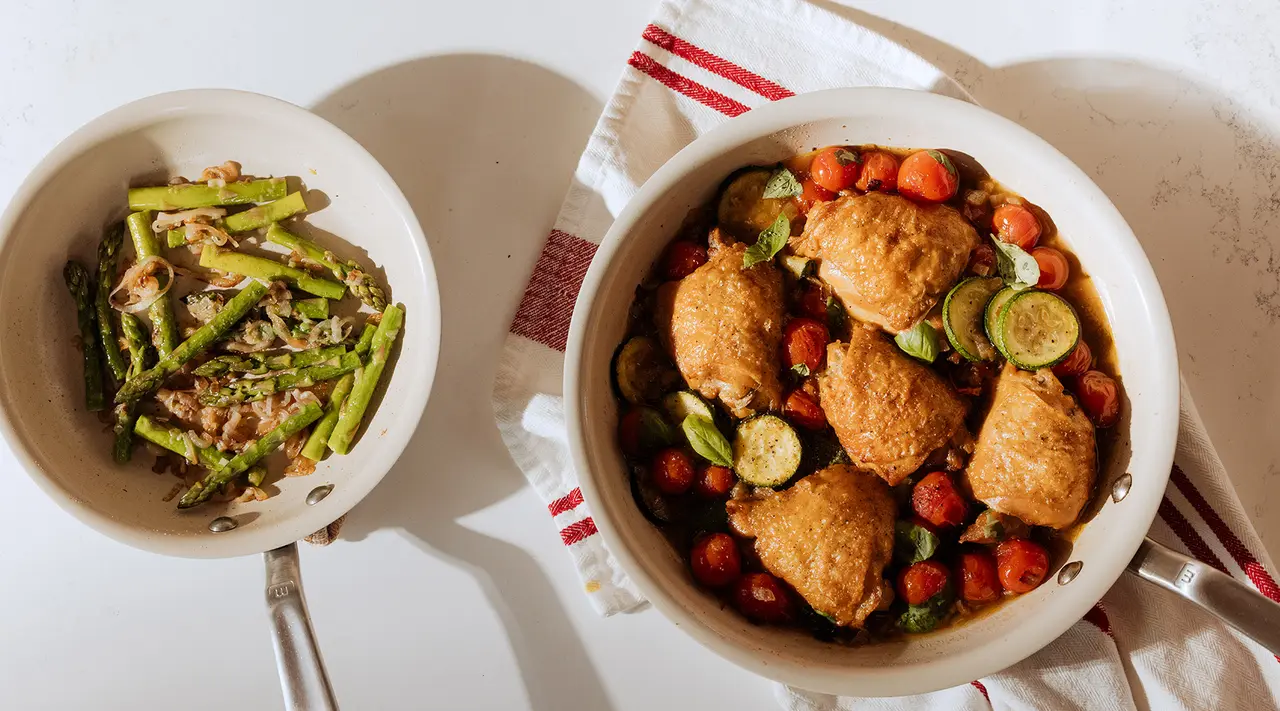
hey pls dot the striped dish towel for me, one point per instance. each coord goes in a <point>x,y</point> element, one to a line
<point>700,63</point>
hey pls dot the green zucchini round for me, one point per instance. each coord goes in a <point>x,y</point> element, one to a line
<point>991,317</point>
<point>962,317</point>
<point>1039,329</point>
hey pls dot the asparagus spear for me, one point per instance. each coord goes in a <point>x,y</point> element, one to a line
<point>361,283</point>
<point>223,260</point>
<point>319,439</point>
<point>262,215</point>
<point>172,439</point>
<point>367,380</point>
<point>317,308</point>
<point>127,412</point>
<point>202,490</point>
<point>256,474</point>
<point>193,195</point>
<point>259,364</point>
<point>202,339</point>
<point>250,390</point>
<point>80,284</point>
<point>366,339</point>
<point>108,259</point>
<point>164,326</point>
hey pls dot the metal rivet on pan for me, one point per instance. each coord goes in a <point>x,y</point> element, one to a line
<point>1120,489</point>
<point>222,524</point>
<point>1069,572</point>
<point>317,494</point>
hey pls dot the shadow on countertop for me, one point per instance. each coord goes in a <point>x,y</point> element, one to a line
<point>484,148</point>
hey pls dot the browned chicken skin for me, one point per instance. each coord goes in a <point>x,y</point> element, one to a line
<point>829,536</point>
<point>722,325</point>
<point>887,258</point>
<point>1035,457</point>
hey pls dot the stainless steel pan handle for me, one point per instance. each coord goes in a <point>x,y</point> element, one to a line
<point>1234,602</point>
<point>302,675</point>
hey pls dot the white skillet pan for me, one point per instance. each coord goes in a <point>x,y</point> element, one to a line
<point>60,210</point>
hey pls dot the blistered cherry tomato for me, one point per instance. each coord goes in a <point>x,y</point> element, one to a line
<point>1099,396</point>
<point>715,560</point>
<point>813,302</point>
<point>979,581</point>
<point>836,168</point>
<point>1053,268</point>
<point>919,582</point>
<point>983,260</point>
<point>1022,564</point>
<point>879,172</point>
<point>1079,360</point>
<point>937,501</point>
<point>804,341</point>
<point>682,259</point>
<point>1015,224</point>
<point>629,432</point>
<point>672,471</point>
<point>802,409</point>
<point>812,194</point>
<point>761,598</point>
<point>715,482</point>
<point>928,176</point>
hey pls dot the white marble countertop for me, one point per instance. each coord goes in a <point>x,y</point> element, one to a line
<point>450,588</point>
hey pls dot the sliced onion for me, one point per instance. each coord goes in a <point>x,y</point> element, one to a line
<point>131,276</point>
<point>196,232</point>
<point>169,220</point>
<point>278,325</point>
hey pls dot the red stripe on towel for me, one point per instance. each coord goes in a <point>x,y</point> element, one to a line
<point>714,64</point>
<point>1098,616</point>
<point>1183,530</point>
<point>575,532</point>
<point>568,502</point>
<point>978,685</point>
<point>688,87</point>
<point>547,306</point>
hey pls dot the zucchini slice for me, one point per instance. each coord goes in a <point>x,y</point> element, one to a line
<point>682,403</point>
<point>766,451</point>
<point>743,209</point>
<point>642,371</point>
<point>1038,329</point>
<point>962,317</point>
<point>991,317</point>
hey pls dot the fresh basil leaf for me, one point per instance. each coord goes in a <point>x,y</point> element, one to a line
<point>945,161</point>
<point>836,317</point>
<point>801,369</point>
<point>845,157</point>
<point>655,433</point>
<point>782,184</point>
<point>770,242</point>
<point>829,618</point>
<point>913,543</point>
<point>926,616</point>
<point>920,341</point>
<point>1018,268</point>
<point>706,440</point>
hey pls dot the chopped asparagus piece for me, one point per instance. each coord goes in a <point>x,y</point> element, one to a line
<point>80,284</point>
<point>127,412</point>
<point>262,215</point>
<point>193,195</point>
<point>317,308</point>
<point>202,339</point>
<point>262,268</point>
<point>361,282</point>
<point>202,490</point>
<point>108,260</point>
<point>164,326</point>
<point>251,390</point>
<point>175,238</point>
<point>256,474</point>
<point>173,439</point>
<point>366,339</point>
<point>260,364</point>
<point>367,380</point>
<point>319,439</point>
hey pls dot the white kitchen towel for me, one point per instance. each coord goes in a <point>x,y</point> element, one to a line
<point>700,63</point>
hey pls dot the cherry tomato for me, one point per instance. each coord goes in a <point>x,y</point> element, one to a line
<point>919,582</point>
<point>879,172</point>
<point>813,194</point>
<point>983,260</point>
<point>1022,564</point>
<point>937,501</point>
<point>1015,224</point>
<point>682,259</point>
<point>928,176</point>
<point>1053,268</point>
<point>629,432</point>
<point>836,168</point>
<point>762,598</point>
<point>979,581</point>
<point>802,409</point>
<point>1076,362</point>
<point>813,302</point>
<point>804,341</point>
<point>1099,396</point>
<point>715,482</point>
<point>672,471</point>
<point>715,560</point>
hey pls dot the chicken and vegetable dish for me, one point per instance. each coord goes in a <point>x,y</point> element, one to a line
<point>866,392</point>
<point>254,357</point>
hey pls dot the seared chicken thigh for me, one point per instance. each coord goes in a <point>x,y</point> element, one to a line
<point>1036,455</point>
<point>829,536</point>
<point>889,411</point>
<point>723,327</point>
<point>887,258</point>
